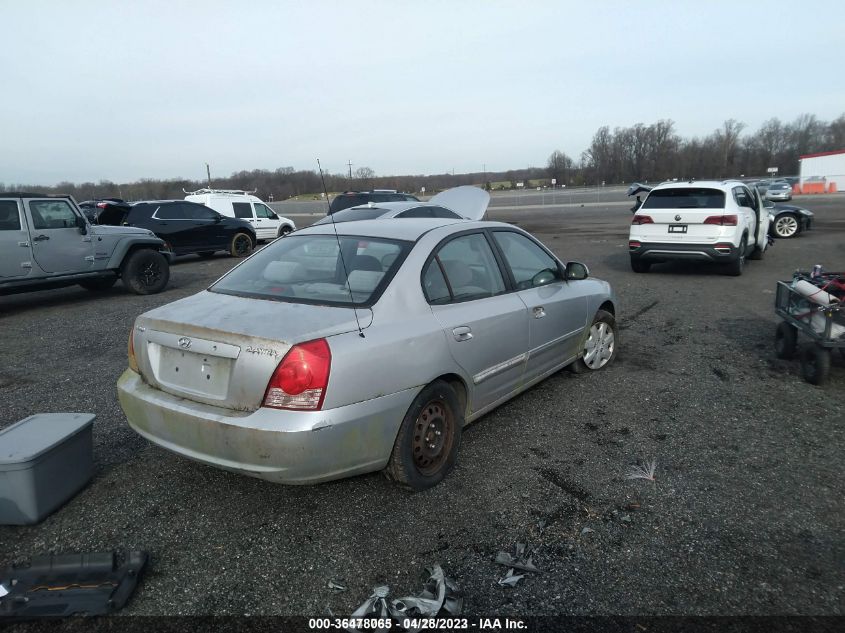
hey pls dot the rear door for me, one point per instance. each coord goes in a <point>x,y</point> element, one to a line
<point>678,214</point>
<point>485,326</point>
<point>15,249</point>
<point>57,244</point>
<point>207,231</point>
<point>557,309</point>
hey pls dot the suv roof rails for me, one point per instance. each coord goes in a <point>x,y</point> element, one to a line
<point>239,192</point>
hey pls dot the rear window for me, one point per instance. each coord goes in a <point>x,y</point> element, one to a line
<point>309,269</point>
<point>779,187</point>
<point>685,198</point>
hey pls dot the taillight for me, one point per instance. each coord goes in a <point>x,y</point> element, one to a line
<point>102,205</point>
<point>721,220</point>
<point>300,380</point>
<point>642,219</point>
<point>634,245</point>
<point>133,362</point>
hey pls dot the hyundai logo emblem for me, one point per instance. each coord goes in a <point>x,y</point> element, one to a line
<point>184,342</point>
<point>677,218</point>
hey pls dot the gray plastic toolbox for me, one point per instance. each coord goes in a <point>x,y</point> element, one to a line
<point>44,460</point>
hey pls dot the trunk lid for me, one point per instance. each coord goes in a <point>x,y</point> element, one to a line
<point>222,350</point>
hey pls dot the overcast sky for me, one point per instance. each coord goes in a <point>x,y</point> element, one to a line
<point>128,90</point>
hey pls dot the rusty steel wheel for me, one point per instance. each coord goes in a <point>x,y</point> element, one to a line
<point>433,437</point>
<point>426,446</point>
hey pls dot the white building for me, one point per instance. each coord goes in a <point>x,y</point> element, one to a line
<point>823,172</point>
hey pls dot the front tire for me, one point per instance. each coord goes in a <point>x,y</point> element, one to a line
<point>786,226</point>
<point>426,447</point>
<point>285,230</point>
<point>600,346</point>
<point>145,272</point>
<point>241,245</point>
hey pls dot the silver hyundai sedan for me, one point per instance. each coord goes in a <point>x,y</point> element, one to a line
<point>362,346</point>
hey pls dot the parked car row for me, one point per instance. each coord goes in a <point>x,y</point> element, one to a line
<point>205,222</point>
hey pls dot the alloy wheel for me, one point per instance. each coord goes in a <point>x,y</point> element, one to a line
<point>599,347</point>
<point>786,226</point>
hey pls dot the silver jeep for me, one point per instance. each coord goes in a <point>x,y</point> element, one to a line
<point>46,242</point>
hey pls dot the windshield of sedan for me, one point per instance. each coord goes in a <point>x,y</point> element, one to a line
<point>685,198</point>
<point>310,269</point>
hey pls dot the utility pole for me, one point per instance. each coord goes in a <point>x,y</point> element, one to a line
<point>208,172</point>
<point>350,170</point>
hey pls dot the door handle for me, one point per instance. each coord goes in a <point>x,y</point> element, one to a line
<point>539,312</point>
<point>462,333</point>
<point>40,238</point>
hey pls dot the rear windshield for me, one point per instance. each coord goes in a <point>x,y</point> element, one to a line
<point>685,198</point>
<point>309,269</point>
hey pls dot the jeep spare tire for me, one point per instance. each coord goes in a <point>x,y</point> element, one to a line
<point>145,271</point>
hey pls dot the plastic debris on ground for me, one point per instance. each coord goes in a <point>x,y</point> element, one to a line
<point>523,560</point>
<point>336,586</point>
<point>70,584</point>
<point>440,597</point>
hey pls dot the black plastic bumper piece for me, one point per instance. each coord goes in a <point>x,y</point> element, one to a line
<point>661,252</point>
<point>70,584</point>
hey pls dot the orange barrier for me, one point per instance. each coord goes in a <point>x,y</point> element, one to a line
<point>796,188</point>
<point>831,188</point>
<point>812,187</point>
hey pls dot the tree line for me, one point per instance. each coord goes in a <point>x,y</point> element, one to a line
<point>656,152</point>
<point>641,152</point>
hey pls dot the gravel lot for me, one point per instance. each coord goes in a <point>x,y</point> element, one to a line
<point>745,515</point>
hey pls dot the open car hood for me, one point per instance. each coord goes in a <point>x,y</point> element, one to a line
<point>467,201</point>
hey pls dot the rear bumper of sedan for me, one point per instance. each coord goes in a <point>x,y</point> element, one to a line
<point>659,252</point>
<point>291,447</point>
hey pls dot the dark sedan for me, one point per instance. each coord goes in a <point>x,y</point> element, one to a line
<point>787,220</point>
<point>186,227</point>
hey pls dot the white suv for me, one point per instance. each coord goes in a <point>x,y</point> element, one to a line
<point>710,221</point>
<point>267,223</point>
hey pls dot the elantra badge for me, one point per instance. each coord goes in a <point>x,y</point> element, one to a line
<point>677,218</point>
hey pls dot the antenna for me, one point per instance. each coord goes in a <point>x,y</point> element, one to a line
<point>340,251</point>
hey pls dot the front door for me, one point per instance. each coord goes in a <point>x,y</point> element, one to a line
<point>557,309</point>
<point>266,222</point>
<point>57,244</point>
<point>485,327</point>
<point>15,250</point>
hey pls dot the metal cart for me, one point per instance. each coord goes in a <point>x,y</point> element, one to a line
<point>824,325</point>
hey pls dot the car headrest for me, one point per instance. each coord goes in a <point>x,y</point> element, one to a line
<point>285,272</point>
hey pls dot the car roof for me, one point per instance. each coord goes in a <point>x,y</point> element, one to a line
<point>393,208</point>
<point>28,194</point>
<point>724,185</point>
<point>409,229</point>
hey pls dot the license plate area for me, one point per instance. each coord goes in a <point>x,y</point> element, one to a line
<point>190,372</point>
<point>677,228</point>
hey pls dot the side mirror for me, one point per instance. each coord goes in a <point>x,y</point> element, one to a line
<point>82,225</point>
<point>543,277</point>
<point>218,219</point>
<point>274,216</point>
<point>576,270</point>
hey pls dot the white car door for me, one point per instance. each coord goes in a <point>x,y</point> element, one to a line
<point>267,223</point>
